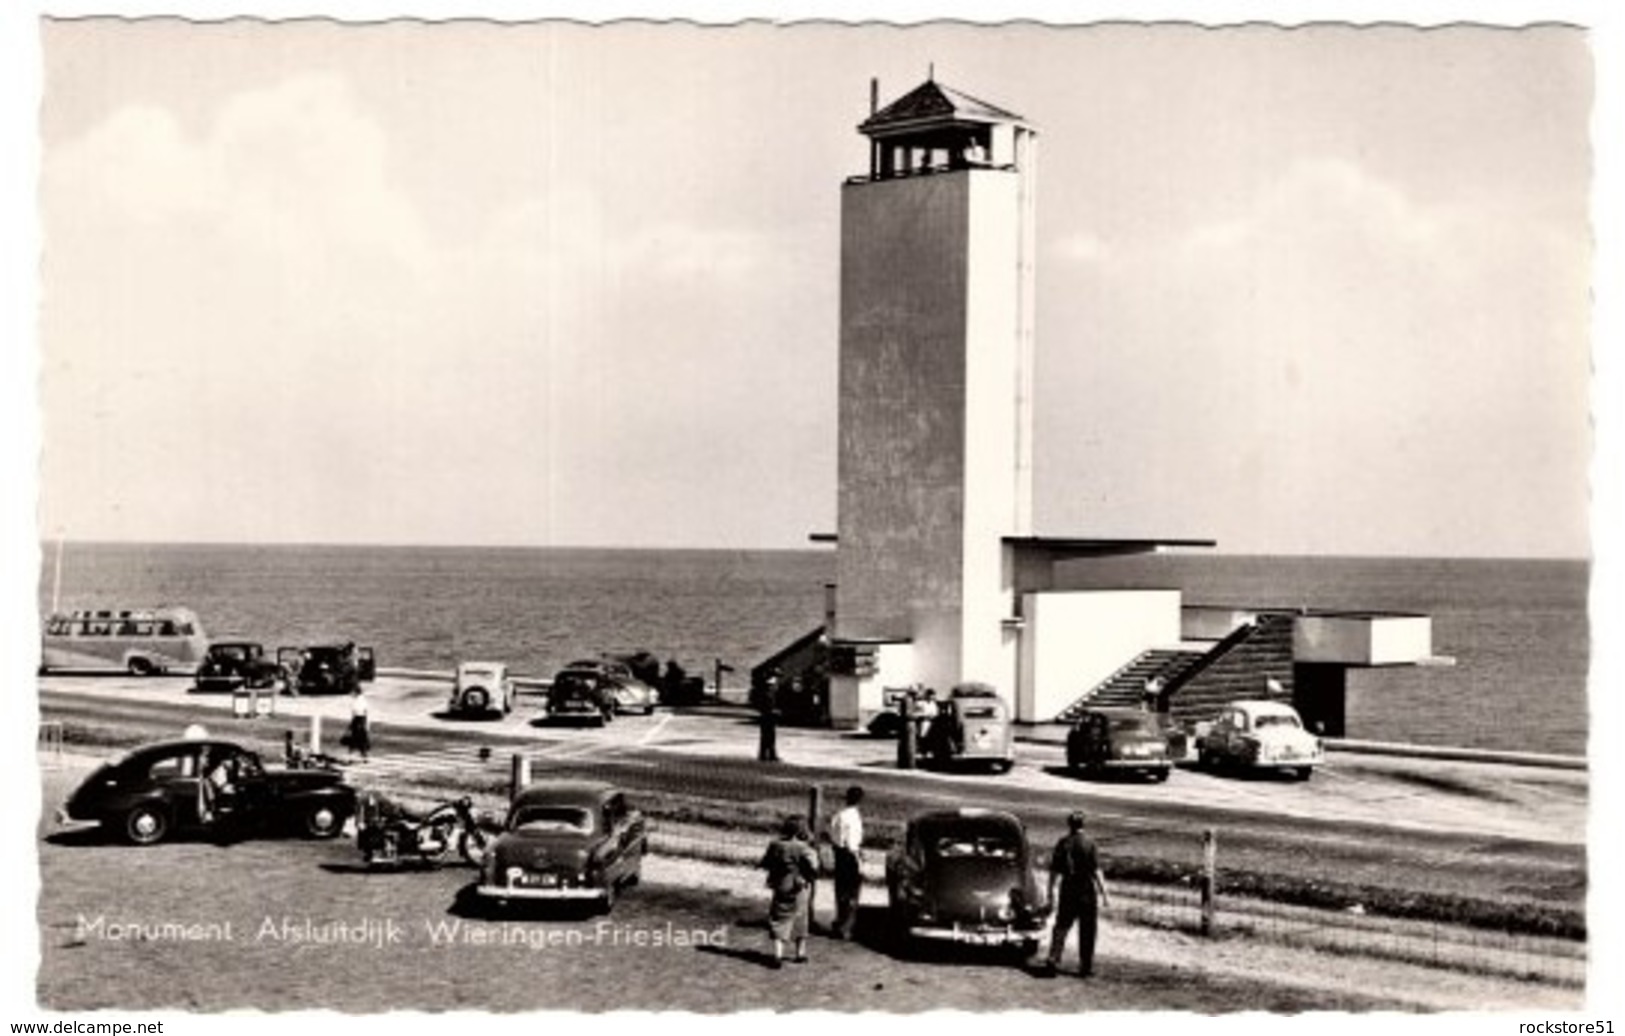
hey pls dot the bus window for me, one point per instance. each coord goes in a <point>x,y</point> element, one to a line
<point>167,629</point>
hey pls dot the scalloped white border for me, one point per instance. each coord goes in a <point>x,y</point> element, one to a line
<point>19,444</point>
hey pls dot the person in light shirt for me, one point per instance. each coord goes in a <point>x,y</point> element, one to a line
<point>846,837</point>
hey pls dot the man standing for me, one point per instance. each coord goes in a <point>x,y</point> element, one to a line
<point>846,837</point>
<point>767,747</point>
<point>1082,892</point>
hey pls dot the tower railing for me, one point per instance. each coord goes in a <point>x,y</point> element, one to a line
<point>929,170</point>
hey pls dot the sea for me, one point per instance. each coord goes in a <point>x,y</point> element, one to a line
<point>1517,629</point>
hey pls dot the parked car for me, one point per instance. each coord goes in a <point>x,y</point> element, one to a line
<point>1258,735</point>
<point>565,841</point>
<point>966,876</point>
<point>331,668</point>
<point>230,664</point>
<point>1107,740</point>
<point>481,687</point>
<point>973,725</point>
<point>578,693</point>
<point>155,792</point>
<point>629,693</point>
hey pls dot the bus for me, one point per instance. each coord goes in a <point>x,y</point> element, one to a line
<point>140,641</point>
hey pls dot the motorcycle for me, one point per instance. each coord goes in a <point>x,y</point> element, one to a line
<point>389,834</point>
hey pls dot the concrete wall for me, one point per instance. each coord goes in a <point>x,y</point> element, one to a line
<point>901,405</point>
<point>935,353</point>
<point>995,504</point>
<point>1206,622</point>
<point>1363,639</point>
<point>1075,639</point>
<point>853,700</point>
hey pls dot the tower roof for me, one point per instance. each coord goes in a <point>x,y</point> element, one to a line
<point>932,103</point>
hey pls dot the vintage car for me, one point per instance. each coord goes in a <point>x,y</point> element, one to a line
<point>1259,735</point>
<point>481,687</point>
<point>629,693</point>
<point>173,787</point>
<point>966,876</point>
<point>565,841</point>
<point>230,664</point>
<point>972,726</point>
<point>1107,740</point>
<point>331,668</point>
<point>578,693</point>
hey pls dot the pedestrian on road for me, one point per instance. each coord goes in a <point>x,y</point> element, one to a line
<point>791,866</point>
<point>767,748</point>
<point>1075,868</point>
<point>846,837</point>
<point>358,739</point>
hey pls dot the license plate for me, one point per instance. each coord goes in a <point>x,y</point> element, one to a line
<point>978,938</point>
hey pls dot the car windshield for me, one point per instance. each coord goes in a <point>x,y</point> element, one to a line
<point>233,653</point>
<point>573,819</point>
<point>979,711</point>
<point>1275,721</point>
<point>1132,725</point>
<point>982,846</point>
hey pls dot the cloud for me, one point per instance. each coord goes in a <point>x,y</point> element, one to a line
<point>1340,350</point>
<point>263,297</point>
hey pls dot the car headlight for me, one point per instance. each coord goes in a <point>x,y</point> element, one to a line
<point>514,874</point>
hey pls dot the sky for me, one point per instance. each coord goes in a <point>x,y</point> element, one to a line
<point>1313,291</point>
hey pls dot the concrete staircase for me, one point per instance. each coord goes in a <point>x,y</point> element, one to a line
<point>1238,668</point>
<point>1126,687</point>
<point>1197,683</point>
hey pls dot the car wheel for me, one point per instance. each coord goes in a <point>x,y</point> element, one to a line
<point>1204,759</point>
<point>473,845</point>
<point>1004,766</point>
<point>323,821</point>
<point>1159,775</point>
<point>146,825</point>
<point>1305,772</point>
<point>139,666</point>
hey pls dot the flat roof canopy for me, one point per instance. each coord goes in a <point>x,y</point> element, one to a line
<point>1062,547</point>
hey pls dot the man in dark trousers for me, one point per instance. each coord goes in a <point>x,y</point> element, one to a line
<point>846,836</point>
<point>1082,892</point>
<point>767,748</point>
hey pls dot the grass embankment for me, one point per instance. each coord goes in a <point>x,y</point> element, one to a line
<point>738,821</point>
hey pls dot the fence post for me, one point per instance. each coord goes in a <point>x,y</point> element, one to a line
<point>315,733</point>
<point>518,775</point>
<point>906,737</point>
<point>1210,855</point>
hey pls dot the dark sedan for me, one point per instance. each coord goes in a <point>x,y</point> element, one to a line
<point>330,668</point>
<point>230,664</point>
<point>1109,740</point>
<point>566,840</point>
<point>173,787</point>
<point>966,876</point>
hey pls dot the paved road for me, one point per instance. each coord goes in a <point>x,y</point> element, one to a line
<point>1504,833</point>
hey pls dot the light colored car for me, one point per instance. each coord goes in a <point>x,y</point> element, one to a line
<point>971,727</point>
<point>1260,735</point>
<point>482,687</point>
